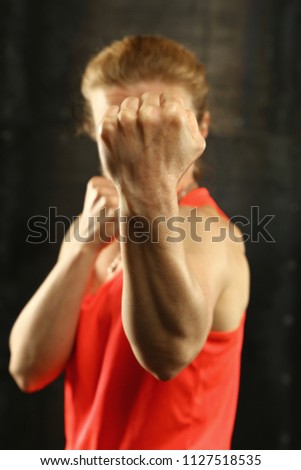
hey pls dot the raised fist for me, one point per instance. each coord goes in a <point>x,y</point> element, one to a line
<point>149,139</point>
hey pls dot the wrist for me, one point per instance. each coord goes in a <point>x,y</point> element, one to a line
<point>149,202</point>
<point>90,234</point>
<point>146,218</point>
<point>73,248</point>
<point>77,257</point>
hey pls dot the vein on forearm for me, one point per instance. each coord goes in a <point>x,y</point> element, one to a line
<point>163,305</point>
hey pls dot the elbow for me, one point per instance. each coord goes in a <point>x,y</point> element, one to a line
<point>167,362</point>
<point>23,379</point>
<point>168,368</point>
<point>17,369</point>
<point>165,375</point>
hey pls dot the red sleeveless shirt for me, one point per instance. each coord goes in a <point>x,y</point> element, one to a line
<point>111,402</point>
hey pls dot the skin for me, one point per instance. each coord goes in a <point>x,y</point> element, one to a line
<point>166,323</point>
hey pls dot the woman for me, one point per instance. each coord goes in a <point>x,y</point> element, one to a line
<point>145,307</point>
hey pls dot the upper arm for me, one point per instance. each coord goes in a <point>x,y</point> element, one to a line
<point>215,254</point>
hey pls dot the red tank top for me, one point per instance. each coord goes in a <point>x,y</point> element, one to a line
<point>111,402</point>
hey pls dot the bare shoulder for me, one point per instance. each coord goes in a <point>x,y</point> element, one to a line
<point>204,225</point>
<point>216,252</point>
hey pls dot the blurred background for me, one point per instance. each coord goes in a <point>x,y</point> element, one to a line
<point>251,49</point>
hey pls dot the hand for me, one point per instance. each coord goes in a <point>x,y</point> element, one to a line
<point>149,143</point>
<point>101,202</point>
<point>91,229</point>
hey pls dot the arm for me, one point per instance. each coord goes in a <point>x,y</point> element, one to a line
<point>170,289</point>
<point>43,335</point>
<point>169,295</point>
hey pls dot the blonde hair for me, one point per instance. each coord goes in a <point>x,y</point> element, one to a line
<point>139,58</point>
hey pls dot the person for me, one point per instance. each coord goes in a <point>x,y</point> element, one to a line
<point>145,308</point>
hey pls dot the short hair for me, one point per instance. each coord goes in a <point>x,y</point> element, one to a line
<point>139,58</point>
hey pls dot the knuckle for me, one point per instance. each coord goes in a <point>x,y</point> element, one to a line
<point>94,182</point>
<point>148,115</point>
<point>171,106</point>
<point>149,94</point>
<point>127,117</point>
<point>130,101</point>
<point>172,96</point>
<point>200,144</point>
<point>173,113</point>
<point>108,128</point>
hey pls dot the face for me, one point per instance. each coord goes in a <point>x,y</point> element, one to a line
<point>101,99</point>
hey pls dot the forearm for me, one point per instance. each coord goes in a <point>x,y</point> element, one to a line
<point>164,309</point>
<point>43,335</point>
<point>147,146</point>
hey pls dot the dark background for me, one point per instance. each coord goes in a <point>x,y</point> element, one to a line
<point>252,52</point>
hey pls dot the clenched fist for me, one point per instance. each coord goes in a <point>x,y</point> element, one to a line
<point>149,142</point>
<point>101,202</point>
<point>97,225</point>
